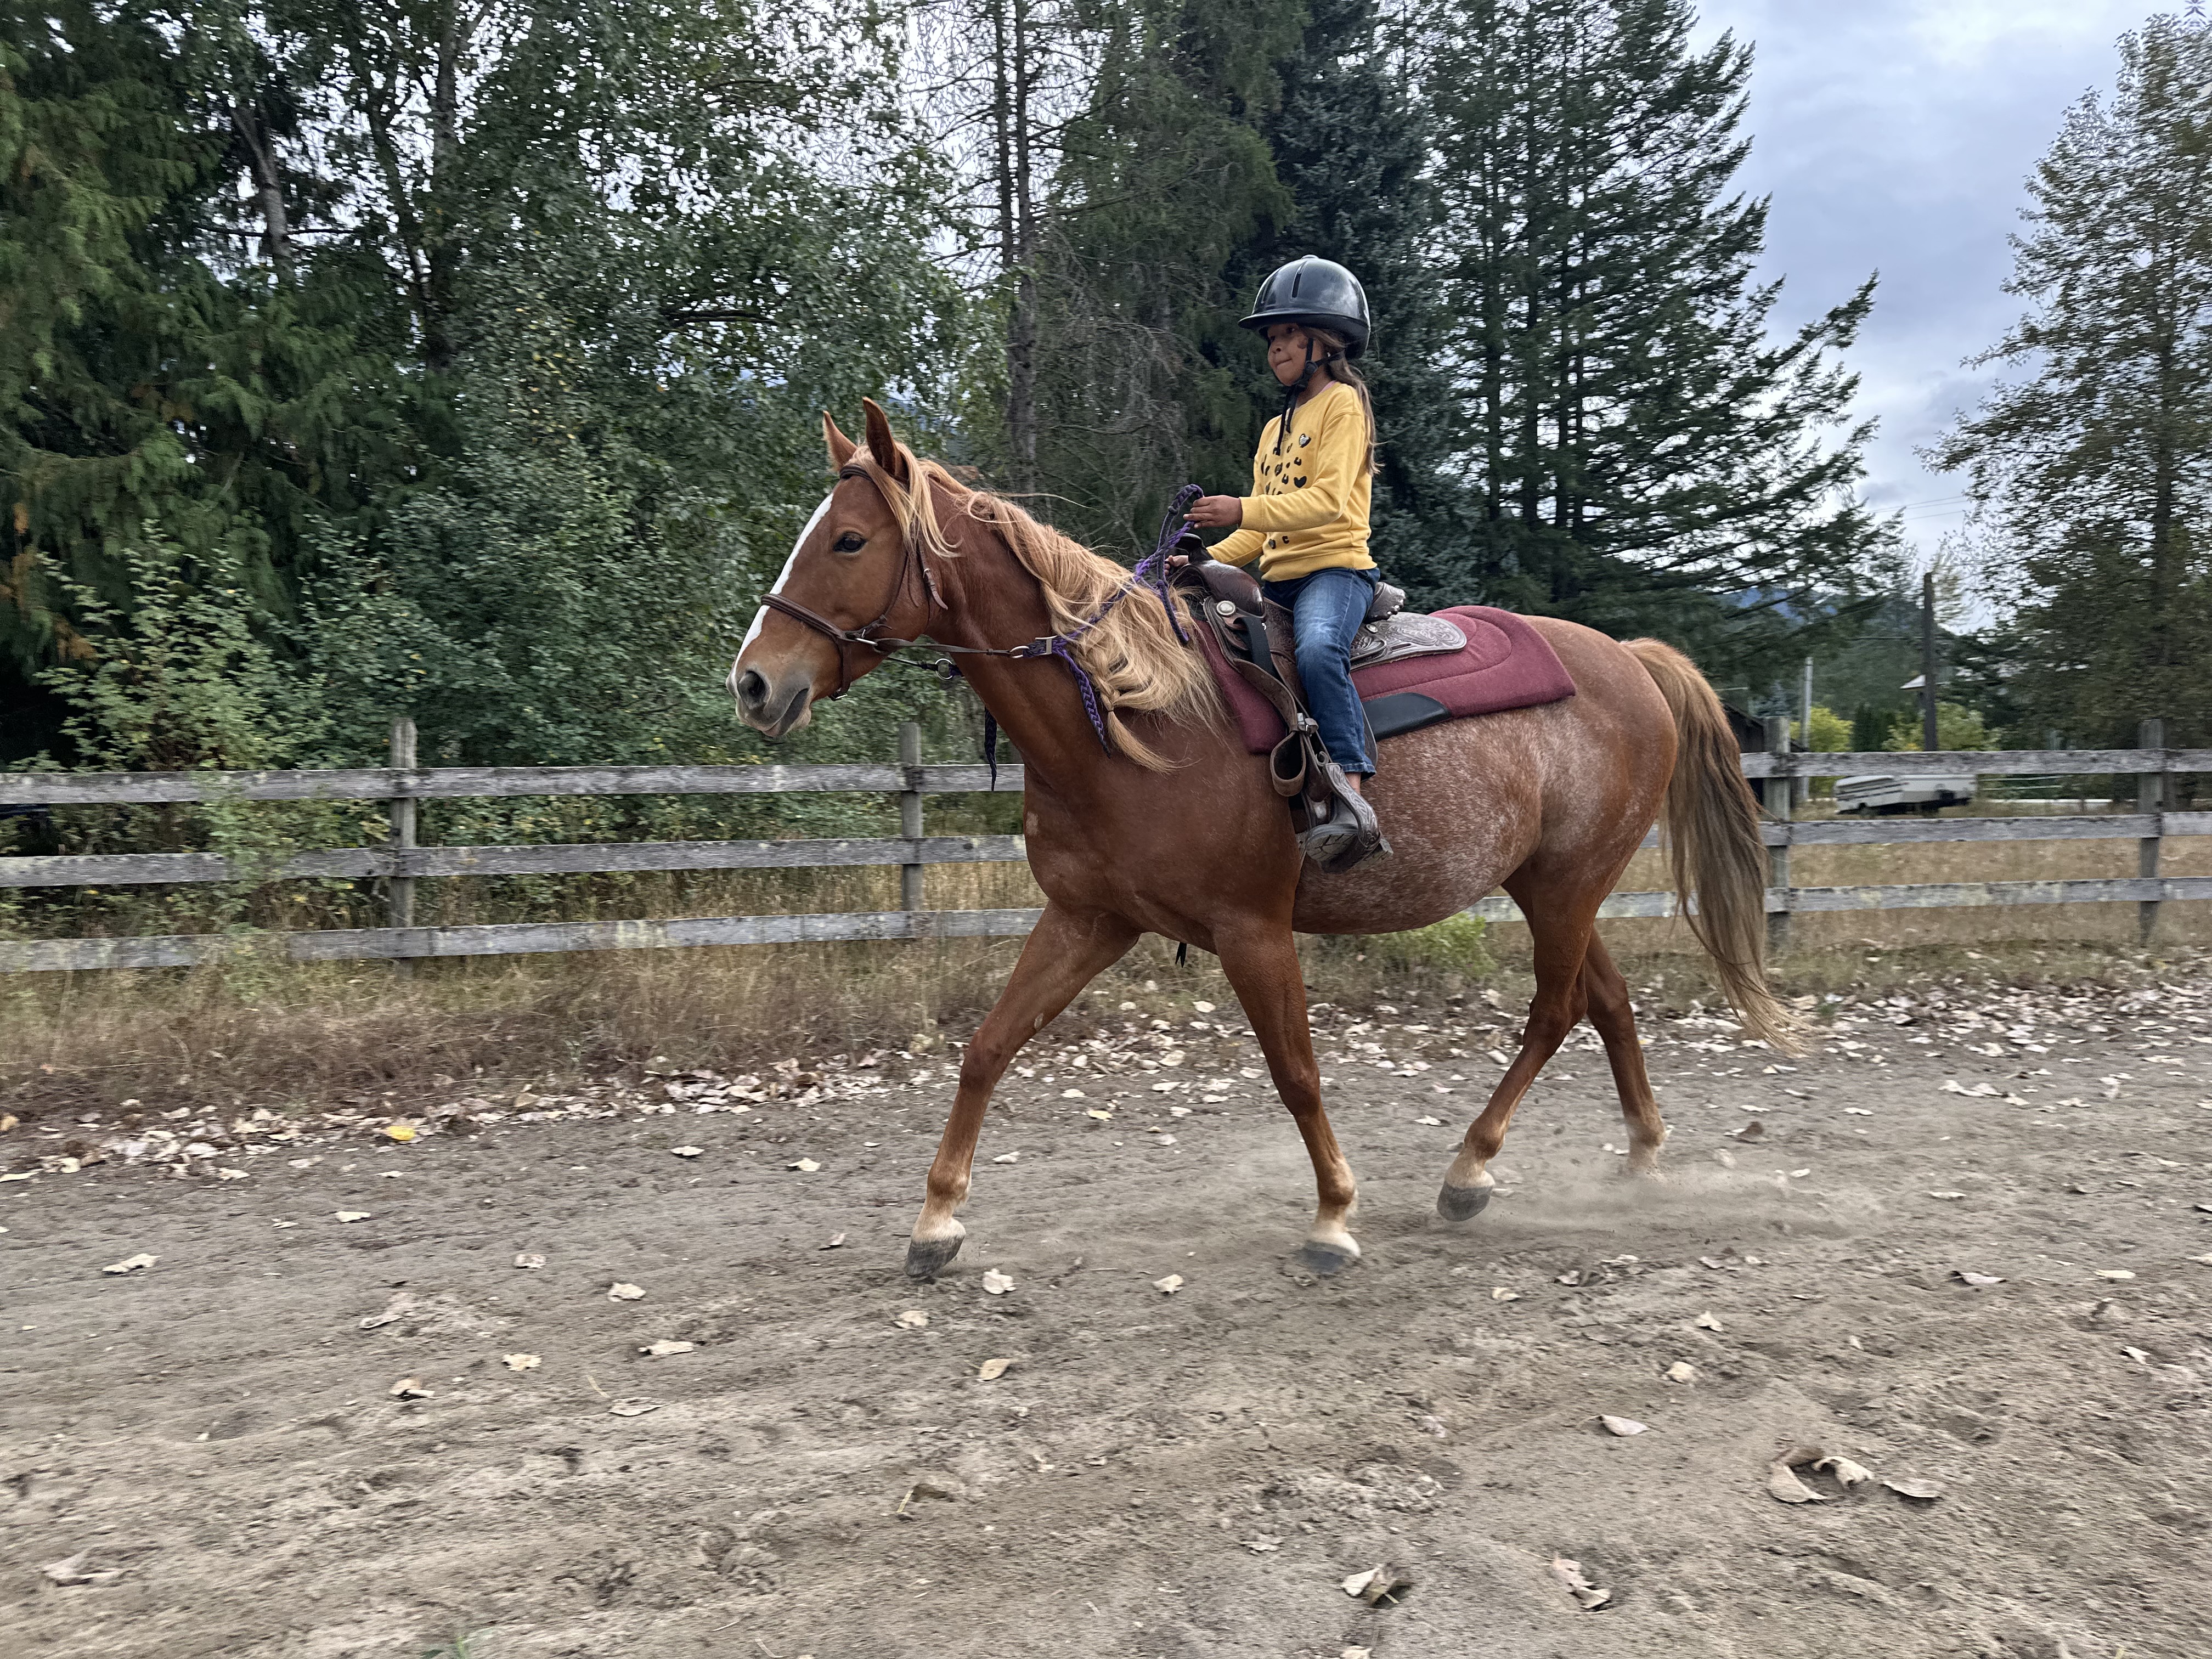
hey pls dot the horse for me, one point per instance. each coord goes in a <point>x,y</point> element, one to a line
<point>1144,813</point>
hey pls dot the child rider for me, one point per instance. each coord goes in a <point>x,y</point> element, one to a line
<point>1306,518</point>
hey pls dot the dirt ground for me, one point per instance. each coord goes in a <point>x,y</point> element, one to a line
<point>211,1448</point>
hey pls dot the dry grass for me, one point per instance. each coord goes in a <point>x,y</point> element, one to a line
<point>255,1033</point>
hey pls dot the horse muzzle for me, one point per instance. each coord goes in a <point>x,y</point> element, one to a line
<point>772,706</point>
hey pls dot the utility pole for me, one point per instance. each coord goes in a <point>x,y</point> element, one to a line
<point>1929,740</point>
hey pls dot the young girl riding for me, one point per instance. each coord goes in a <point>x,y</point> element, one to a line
<point>1306,518</point>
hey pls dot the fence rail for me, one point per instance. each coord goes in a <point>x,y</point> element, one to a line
<point>401,862</point>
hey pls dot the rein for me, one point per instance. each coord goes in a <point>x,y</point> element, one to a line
<point>1151,575</point>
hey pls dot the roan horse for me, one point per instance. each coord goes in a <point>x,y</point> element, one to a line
<point>1177,832</point>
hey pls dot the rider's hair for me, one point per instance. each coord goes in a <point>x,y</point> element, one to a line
<point>1339,367</point>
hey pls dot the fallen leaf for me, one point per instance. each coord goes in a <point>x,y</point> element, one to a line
<point>1853,1475</point>
<point>1782,1482</point>
<point>529,1259</point>
<point>521,1362</point>
<point>1499,1293</point>
<point>1203,1007</point>
<point>1946,1193</point>
<point>1622,1426</point>
<point>1169,1285</point>
<point>130,1264</point>
<point>836,1242</point>
<point>2113,1273</point>
<point>996,1283</point>
<point>805,1166</point>
<point>353,1215</point>
<point>1377,1584</point>
<point>408,1387</point>
<point>1357,1653</point>
<point>1265,1544</point>
<point>70,1570</point>
<point>1430,1123</point>
<point>1706,1321</point>
<point>1681,1371</point>
<point>686,1151</point>
<point>634,1407</point>
<point>1569,1573</point>
<point>2141,1356</point>
<point>1072,1094</point>
<point>1926,1491</point>
<point>2204,1259</point>
<point>991,1370</point>
<point>1966,1277</point>
<point>913,1319</point>
<point>1007,1158</point>
<point>400,1132</point>
<point>619,1293</point>
<point>664,1348</point>
<point>1103,1117</point>
<point>1754,1130</point>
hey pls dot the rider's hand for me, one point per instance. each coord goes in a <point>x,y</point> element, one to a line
<point>1217,513</point>
<point>1177,561</point>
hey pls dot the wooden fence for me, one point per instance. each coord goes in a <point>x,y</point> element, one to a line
<point>400,862</point>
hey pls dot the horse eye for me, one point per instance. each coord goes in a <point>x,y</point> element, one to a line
<point>851,542</point>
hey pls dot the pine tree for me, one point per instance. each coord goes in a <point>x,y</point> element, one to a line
<point>1347,144</point>
<point>1638,454</point>
<point>1144,380</point>
<point>2091,475</point>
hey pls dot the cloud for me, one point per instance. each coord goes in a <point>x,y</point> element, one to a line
<point>1897,137</point>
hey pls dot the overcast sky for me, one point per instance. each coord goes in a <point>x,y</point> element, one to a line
<point>1895,135</point>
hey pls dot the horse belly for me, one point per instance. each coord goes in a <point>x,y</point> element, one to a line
<point>1462,806</point>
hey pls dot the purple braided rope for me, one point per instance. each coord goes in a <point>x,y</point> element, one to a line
<point>1150,575</point>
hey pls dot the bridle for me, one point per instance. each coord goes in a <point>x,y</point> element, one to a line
<point>1150,575</point>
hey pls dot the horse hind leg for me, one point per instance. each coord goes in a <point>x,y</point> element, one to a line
<point>1064,953</point>
<point>1561,929</point>
<point>1611,1012</point>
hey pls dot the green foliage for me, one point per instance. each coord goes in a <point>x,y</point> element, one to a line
<point>1829,730</point>
<point>1956,728</point>
<point>2091,473</point>
<point>1453,945</point>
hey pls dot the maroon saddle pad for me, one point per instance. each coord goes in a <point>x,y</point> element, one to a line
<point>1505,664</point>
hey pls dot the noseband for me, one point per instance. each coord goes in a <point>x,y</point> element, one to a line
<point>1151,573</point>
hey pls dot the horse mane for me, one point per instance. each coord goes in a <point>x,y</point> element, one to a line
<point>1133,657</point>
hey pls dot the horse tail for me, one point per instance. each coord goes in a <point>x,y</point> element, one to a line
<point>1712,833</point>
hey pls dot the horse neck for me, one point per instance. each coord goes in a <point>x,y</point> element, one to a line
<point>995,603</point>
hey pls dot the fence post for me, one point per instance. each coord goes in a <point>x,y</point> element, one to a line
<point>911,896</point>
<point>399,889</point>
<point>1779,788</point>
<point>2150,797</point>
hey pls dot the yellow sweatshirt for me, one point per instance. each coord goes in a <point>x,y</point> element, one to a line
<point>1308,509</point>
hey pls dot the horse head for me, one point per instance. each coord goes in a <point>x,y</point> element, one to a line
<point>858,570</point>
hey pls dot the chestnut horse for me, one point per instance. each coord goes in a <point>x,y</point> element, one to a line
<point>1176,831</point>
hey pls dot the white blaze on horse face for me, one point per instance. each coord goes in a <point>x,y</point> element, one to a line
<point>760,617</point>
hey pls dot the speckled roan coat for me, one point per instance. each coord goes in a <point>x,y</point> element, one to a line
<point>1549,803</point>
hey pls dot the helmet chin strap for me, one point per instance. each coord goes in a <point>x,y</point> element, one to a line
<point>1293,392</point>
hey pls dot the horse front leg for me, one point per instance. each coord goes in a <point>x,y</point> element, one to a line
<point>1066,951</point>
<point>1263,968</point>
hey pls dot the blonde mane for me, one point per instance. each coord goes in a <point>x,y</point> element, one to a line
<point>1133,656</point>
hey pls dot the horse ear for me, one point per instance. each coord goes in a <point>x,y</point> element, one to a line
<point>841,446</point>
<point>881,444</point>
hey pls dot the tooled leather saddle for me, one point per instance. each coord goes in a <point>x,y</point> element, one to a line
<point>1411,671</point>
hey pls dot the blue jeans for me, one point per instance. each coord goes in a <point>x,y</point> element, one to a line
<point>1328,608</point>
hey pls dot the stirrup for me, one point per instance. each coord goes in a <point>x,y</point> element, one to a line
<point>1350,834</point>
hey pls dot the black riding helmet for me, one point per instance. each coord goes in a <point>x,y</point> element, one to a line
<point>1314,292</point>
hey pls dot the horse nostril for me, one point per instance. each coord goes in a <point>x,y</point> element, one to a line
<point>752,689</point>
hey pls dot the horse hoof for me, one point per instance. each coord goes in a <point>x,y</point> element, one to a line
<point>926,1258</point>
<point>1458,1203</point>
<point>1325,1260</point>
